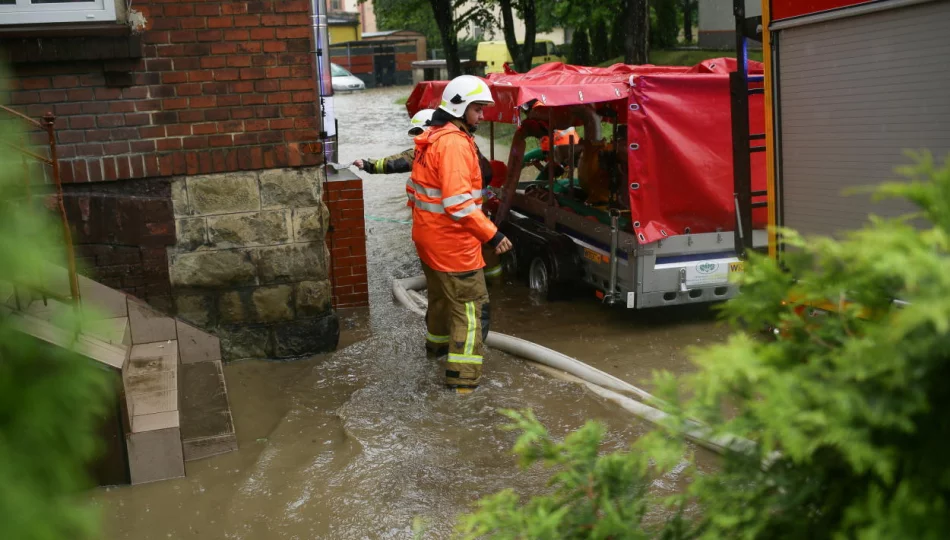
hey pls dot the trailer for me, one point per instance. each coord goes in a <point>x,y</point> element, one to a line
<point>646,217</point>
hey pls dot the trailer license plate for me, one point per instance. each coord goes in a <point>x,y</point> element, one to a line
<point>737,267</point>
<point>592,255</point>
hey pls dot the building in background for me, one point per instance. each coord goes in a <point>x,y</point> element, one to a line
<point>381,58</point>
<point>344,27</point>
<point>367,17</point>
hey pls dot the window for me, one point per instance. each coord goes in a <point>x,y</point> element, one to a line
<point>338,71</point>
<point>56,11</point>
<point>336,5</point>
<point>540,49</point>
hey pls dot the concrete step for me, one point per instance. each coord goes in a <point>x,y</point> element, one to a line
<point>155,455</point>
<point>174,391</point>
<point>89,346</point>
<point>115,330</point>
<point>98,301</point>
<point>151,386</point>
<point>150,379</point>
<point>148,325</point>
<point>207,428</point>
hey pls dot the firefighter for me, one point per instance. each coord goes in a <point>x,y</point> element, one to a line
<point>401,162</point>
<point>449,229</point>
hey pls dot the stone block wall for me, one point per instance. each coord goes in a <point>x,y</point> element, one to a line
<point>347,240</point>
<point>251,261</point>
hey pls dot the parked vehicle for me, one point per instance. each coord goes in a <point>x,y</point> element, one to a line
<point>642,207</point>
<point>495,54</point>
<point>344,81</point>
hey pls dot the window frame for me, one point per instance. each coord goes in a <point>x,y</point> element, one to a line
<point>25,12</point>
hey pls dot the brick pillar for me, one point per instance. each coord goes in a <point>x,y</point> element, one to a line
<point>346,240</point>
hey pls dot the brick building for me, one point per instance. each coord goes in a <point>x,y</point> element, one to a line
<point>186,136</point>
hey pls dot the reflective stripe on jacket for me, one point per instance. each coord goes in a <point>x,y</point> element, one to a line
<point>448,225</point>
<point>396,163</point>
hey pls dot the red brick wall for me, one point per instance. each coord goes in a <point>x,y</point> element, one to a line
<point>121,231</point>
<point>217,87</point>
<point>347,242</point>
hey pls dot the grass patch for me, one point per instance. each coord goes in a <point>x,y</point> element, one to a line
<point>684,57</point>
<point>504,133</point>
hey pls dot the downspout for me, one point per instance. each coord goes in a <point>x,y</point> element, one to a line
<point>321,42</point>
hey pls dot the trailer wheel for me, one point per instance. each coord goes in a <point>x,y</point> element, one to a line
<point>539,277</point>
<point>509,263</point>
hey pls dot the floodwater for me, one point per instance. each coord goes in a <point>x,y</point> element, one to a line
<point>362,442</point>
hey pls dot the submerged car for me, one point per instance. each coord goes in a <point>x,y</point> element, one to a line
<point>344,81</point>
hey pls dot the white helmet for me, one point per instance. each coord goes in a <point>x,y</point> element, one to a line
<point>420,121</point>
<point>462,91</point>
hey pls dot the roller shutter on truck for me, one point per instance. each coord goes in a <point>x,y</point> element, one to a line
<point>855,87</point>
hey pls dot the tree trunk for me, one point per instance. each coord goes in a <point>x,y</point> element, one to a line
<point>520,54</point>
<point>688,21</point>
<point>599,42</point>
<point>442,10</point>
<point>530,33</point>
<point>638,33</point>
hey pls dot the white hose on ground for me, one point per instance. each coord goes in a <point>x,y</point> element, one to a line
<point>573,370</point>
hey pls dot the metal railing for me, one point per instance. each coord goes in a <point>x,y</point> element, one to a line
<point>29,153</point>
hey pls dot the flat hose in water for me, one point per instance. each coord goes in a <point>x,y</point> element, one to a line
<point>570,369</point>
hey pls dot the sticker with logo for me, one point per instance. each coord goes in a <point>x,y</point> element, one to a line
<point>707,273</point>
<point>592,255</point>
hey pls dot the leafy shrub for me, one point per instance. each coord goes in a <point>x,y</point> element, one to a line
<point>50,400</point>
<point>849,407</point>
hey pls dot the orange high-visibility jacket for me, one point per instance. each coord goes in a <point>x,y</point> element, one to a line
<point>445,190</point>
<point>562,137</point>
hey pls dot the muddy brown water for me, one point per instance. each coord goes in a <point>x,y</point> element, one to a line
<point>359,443</point>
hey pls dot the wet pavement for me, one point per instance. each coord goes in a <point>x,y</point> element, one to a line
<point>361,442</point>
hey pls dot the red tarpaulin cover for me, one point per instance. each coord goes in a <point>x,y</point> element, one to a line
<point>679,126</point>
<point>680,160</point>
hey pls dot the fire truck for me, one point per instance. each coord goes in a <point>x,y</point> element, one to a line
<point>849,85</point>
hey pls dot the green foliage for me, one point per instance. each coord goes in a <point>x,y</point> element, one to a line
<point>415,15</point>
<point>848,407</point>
<point>580,49</point>
<point>593,496</point>
<point>468,48</point>
<point>50,399</point>
<point>665,16</point>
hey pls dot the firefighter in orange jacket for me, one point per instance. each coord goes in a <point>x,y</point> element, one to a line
<point>449,229</point>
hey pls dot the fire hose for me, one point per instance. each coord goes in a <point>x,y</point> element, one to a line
<point>406,292</point>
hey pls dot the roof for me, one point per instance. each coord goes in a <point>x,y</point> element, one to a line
<point>343,19</point>
<point>386,33</point>
<point>373,42</point>
<point>380,34</point>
